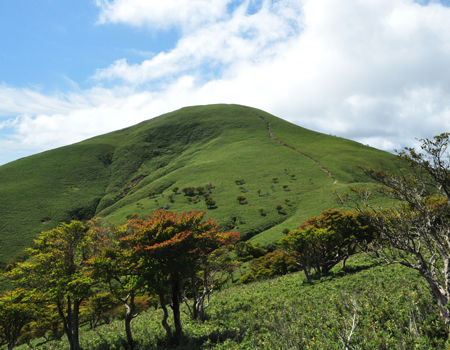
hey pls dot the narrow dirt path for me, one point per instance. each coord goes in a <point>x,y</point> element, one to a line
<point>273,137</point>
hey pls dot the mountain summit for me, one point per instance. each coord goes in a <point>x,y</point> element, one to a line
<point>260,173</point>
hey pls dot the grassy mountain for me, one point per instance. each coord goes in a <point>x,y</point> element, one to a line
<point>274,161</point>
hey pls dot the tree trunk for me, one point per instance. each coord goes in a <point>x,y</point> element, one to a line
<point>176,296</point>
<point>164,320</point>
<point>128,302</point>
<point>75,324</point>
<point>71,322</point>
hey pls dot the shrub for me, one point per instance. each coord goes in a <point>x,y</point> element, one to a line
<point>239,182</point>
<point>279,208</point>
<point>210,202</point>
<point>241,199</point>
<point>188,191</point>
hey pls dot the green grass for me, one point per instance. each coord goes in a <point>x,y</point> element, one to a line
<point>394,307</point>
<point>111,175</point>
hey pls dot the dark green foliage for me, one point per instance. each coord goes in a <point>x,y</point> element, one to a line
<point>324,241</point>
<point>241,199</point>
<point>210,202</point>
<point>188,191</point>
<point>247,251</point>
<point>276,263</point>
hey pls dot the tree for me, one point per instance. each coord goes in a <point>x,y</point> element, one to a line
<point>241,199</point>
<point>175,190</point>
<point>188,191</point>
<point>322,242</point>
<point>169,251</point>
<point>350,230</point>
<point>16,310</point>
<point>112,265</point>
<point>58,272</point>
<point>210,202</point>
<point>416,231</point>
<point>279,208</point>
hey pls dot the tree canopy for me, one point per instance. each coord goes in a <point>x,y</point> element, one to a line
<point>416,232</point>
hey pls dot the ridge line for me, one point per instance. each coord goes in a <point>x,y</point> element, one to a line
<point>273,137</point>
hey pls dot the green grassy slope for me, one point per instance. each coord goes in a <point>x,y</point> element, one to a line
<point>111,175</point>
<point>394,310</point>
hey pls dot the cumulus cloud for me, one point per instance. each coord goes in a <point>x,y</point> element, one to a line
<point>161,14</point>
<point>373,71</point>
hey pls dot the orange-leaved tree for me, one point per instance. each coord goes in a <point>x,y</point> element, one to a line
<point>170,251</point>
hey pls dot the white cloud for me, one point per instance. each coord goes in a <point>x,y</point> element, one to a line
<point>241,37</point>
<point>161,14</point>
<point>374,71</point>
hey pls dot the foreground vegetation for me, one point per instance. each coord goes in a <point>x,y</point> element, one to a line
<point>391,308</point>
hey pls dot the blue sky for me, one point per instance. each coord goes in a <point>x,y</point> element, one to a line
<point>373,71</point>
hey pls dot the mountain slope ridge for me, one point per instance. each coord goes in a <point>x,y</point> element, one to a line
<point>111,175</point>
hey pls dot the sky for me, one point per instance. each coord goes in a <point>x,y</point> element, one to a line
<point>374,71</point>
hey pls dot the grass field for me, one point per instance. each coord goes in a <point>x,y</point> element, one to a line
<point>392,307</point>
<point>111,175</point>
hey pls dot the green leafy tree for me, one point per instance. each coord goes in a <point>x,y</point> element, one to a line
<point>98,308</point>
<point>16,310</point>
<point>279,208</point>
<point>170,250</point>
<point>112,265</point>
<point>351,229</point>
<point>211,203</point>
<point>58,272</point>
<point>175,190</point>
<point>324,241</point>
<point>188,191</point>
<point>416,231</point>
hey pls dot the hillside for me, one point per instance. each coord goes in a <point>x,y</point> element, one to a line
<point>112,175</point>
